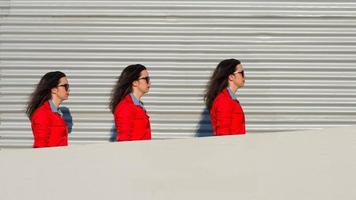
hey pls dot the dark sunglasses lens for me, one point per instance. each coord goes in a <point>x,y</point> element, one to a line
<point>147,79</point>
<point>243,73</point>
<point>66,87</point>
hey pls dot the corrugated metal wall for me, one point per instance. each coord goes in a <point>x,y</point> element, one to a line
<point>299,59</point>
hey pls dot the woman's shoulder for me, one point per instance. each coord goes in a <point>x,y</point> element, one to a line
<point>222,96</point>
<point>125,103</point>
<point>42,111</point>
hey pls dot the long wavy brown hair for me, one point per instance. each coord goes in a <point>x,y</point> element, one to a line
<point>219,80</point>
<point>42,92</point>
<point>123,85</point>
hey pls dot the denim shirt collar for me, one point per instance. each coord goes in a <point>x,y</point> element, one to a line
<point>136,101</point>
<point>54,108</point>
<point>232,94</point>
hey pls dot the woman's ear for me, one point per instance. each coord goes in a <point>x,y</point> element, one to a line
<point>135,83</point>
<point>231,77</point>
<point>54,90</point>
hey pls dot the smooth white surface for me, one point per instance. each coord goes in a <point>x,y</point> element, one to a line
<point>296,165</point>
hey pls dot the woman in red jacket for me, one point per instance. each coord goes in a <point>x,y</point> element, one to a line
<point>226,114</point>
<point>48,127</point>
<point>131,119</point>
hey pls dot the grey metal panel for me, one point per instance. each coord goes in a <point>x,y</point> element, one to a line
<point>299,59</point>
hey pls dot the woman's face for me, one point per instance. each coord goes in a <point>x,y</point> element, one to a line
<point>143,82</point>
<point>62,89</point>
<point>239,76</point>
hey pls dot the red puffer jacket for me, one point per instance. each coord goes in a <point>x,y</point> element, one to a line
<point>226,115</point>
<point>131,121</point>
<point>49,128</point>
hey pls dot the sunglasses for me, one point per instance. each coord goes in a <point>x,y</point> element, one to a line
<point>147,79</point>
<point>66,86</point>
<point>242,73</point>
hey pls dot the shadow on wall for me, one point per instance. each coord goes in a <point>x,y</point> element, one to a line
<point>204,126</point>
<point>113,134</point>
<point>67,116</point>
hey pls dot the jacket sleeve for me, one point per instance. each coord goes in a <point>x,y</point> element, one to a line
<point>124,122</point>
<point>223,117</point>
<point>41,129</point>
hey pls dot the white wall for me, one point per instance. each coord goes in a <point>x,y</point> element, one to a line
<point>274,166</point>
